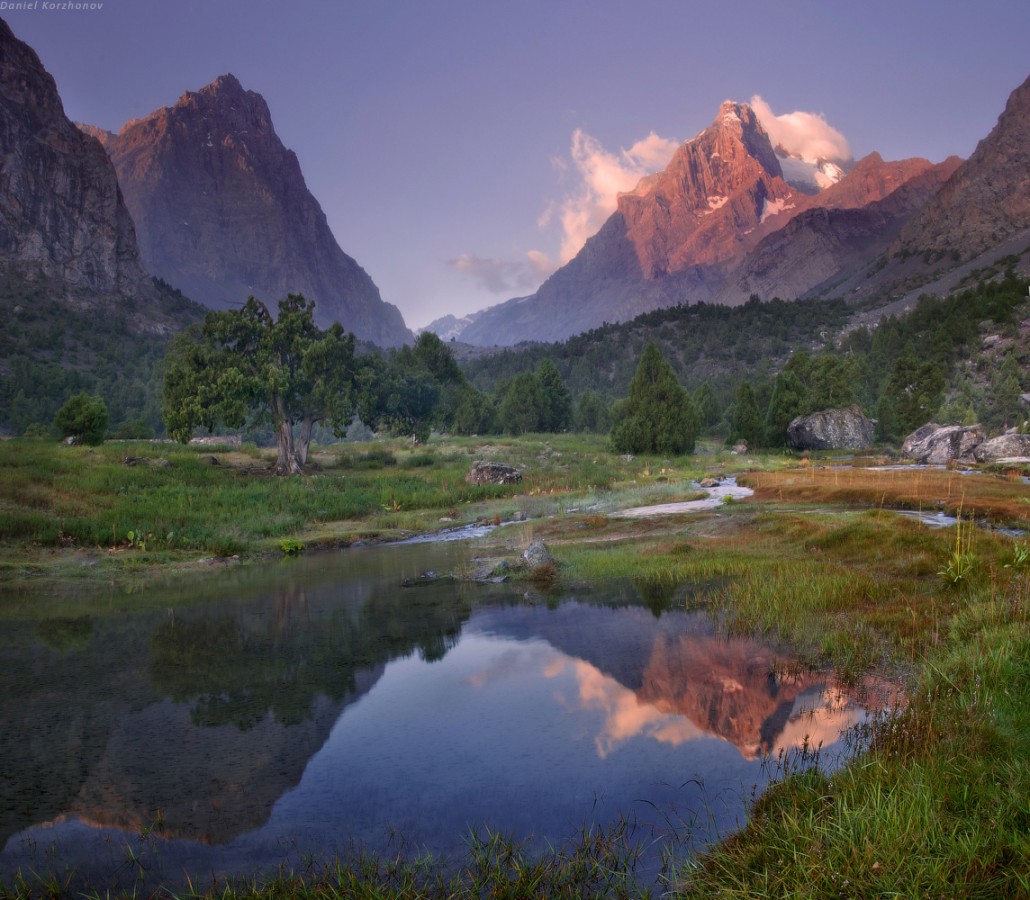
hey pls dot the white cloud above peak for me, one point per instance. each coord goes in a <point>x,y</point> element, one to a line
<point>598,177</point>
<point>803,134</point>
<point>601,176</point>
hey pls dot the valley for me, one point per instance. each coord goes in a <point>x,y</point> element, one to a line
<point>699,567</point>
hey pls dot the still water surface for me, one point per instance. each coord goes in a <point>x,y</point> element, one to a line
<point>314,706</point>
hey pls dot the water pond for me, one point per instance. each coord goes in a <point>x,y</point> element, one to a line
<point>313,706</point>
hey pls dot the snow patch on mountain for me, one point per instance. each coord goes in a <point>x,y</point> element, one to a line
<point>808,175</point>
<point>774,208</point>
<point>449,327</point>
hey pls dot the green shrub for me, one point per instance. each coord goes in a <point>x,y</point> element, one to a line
<point>83,417</point>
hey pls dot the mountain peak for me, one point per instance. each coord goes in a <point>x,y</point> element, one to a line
<point>222,212</point>
<point>717,186</point>
<point>225,83</point>
<point>225,101</point>
<point>732,110</point>
<point>225,88</point>
<point>738,121</point>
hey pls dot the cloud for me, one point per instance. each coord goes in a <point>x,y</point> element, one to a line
<point>599,176</point>
<point>504,276</point>
<point>807,135</point>
<point>602,176</point>
<point>626,716</point>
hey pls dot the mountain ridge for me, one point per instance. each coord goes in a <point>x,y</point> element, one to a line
<point>695,232</point>
<point>62,215</point>
<point>988,198</point>
<point>223,212</point>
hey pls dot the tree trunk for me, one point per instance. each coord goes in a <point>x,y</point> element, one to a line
<point>286,461</point>
<point>307,425</point>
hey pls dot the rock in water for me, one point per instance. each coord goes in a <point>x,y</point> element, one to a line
<point>937,445</point>
<point>832,429</point>
<point>483,472</point>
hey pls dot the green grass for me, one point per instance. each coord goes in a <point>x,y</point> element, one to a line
<point>599,862</point>
<point>56,500</point>
<point>936,805</point>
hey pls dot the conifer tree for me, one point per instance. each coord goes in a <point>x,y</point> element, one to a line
<point>746,422</point>
<point>592,415</point>
<point>658,416</point>
<point>556,401</point>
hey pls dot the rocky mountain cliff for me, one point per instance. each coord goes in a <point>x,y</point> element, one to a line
<point>713,227</point>
<point>62,216</point>
<point>705,208</point>
<point>987,200</point>
<point>222,212</point>
<point>818,247</point>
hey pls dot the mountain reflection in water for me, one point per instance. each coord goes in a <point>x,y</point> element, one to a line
<point>319,706</point>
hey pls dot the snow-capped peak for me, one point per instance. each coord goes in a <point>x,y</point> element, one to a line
<point>808,175</point>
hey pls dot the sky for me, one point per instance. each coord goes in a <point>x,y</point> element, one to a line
<point>462,149</point>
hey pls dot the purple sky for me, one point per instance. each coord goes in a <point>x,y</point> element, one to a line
<point>438,134</point>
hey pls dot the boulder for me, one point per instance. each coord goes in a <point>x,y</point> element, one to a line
<point>832,429</point>
<point>537,554</point>
<point>739,448</point>
<point>938,445</point>
<point>917,437</point>
<point>483,472</point>
<point>1004,447</point>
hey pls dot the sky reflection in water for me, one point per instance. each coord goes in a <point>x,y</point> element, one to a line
<point>414,716</point>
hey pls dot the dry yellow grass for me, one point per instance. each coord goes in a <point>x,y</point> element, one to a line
<point>999,497</point>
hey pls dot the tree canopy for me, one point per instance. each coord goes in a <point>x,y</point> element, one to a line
<point>246,367</point>
<point>535,401</point>
<point>415,389</point>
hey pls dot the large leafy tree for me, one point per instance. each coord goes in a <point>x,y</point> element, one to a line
<point>248,367</point>
<point>520,405</point>
<point>395,399</point>
<point>658,416</point>
<point>535,401</point>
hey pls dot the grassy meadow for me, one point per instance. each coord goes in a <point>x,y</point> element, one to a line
<point>82,513</point>
<point>938,804</point>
